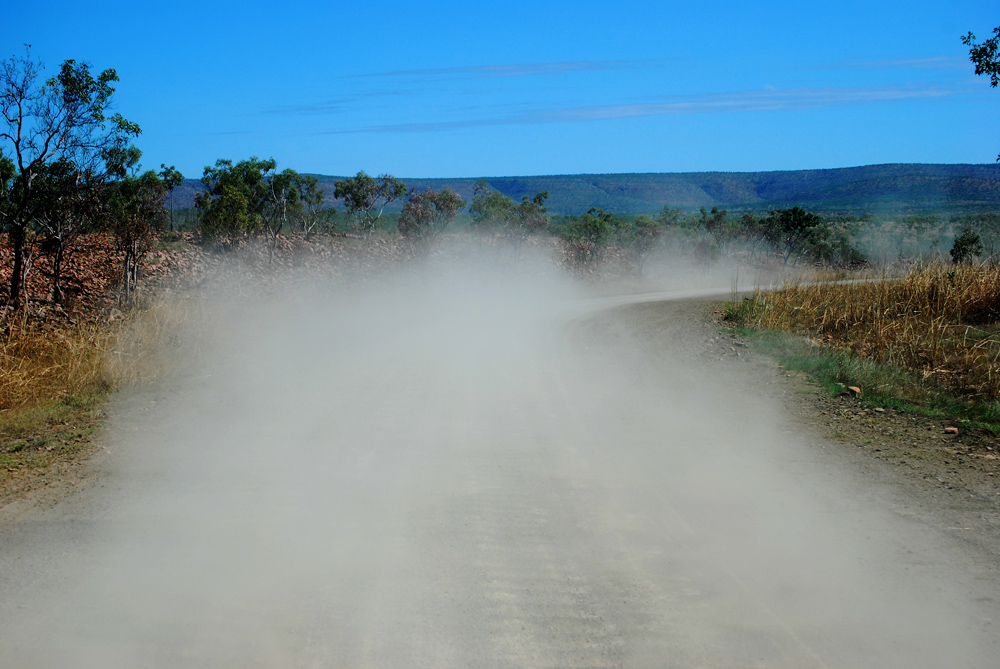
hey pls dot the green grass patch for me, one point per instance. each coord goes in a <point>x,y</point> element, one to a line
<point>882,385</point>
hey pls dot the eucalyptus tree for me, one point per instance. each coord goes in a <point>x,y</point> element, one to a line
<point>366,197</point>
<point>283,198</point>
<point>426,214</point>
<point>312,211</point>
<point>235,196</point>
<point>132,202</point>
<point>171,179</point>
<point>530,217</point>
<point>792,230</point>
<point>590,233</point>
<point>71,205</point>
<point>495,213</point>
<point>61,119</point>
<point>646,236</point>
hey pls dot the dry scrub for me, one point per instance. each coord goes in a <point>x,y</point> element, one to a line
<point>54,377</point>
<point>938,321</point>
<point>42,362</point>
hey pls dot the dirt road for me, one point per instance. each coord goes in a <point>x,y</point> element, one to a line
<point>443,474</point>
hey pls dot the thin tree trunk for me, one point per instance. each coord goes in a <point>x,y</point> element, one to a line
<point>57,258</point>
<point>17,241</point>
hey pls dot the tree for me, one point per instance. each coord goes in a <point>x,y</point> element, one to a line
<point>967,247</point>
<point>425,215</point>
<point>791,229</point>
<point>590,233</point>
<point>531,216</point>
<point>491,210</point>
<point>718,224</point>
<point>282,199</point>
<point>645,237</point>
<point>63,119</point>
<point>71,205</point>
<point>133,202</point>
<point>366,197</point>
<point>669,217</point>
<point>312,198</point>
<point>495,213</point>
<point>171,179</point>
<point>232,204</point>
<point>986,57</point>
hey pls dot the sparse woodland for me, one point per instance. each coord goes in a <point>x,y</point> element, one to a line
<point>87,228</point>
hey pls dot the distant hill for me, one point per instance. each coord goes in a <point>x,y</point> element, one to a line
<point>894,188</point>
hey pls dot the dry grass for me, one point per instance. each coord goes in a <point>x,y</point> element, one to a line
<point>939,321</point>
<point>55,375</point>
<point>43,362</point>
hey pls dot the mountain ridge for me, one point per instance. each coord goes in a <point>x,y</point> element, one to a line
<point>883,188</point>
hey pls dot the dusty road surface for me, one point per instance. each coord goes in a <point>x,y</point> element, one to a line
<point>452,471</point>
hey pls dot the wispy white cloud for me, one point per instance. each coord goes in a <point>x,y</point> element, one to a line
<point>514,70</point>
<point>933,63</point>
<point>338,104</point>
<point>742,101</point>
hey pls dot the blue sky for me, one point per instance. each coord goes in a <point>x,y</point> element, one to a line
<point>439,89</point>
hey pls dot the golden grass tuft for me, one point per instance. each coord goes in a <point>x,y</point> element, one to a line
<point>938,320</point>
<point>42,362</point>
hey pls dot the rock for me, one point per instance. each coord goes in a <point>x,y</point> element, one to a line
<point>880,409</point>
<point>951,430</point>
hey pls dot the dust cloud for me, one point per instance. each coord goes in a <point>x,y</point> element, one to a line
<point>473,464</point>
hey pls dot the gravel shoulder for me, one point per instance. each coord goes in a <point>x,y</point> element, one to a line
<point>950,480</point>
<point>516,486</point>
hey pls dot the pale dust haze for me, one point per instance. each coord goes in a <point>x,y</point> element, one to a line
<point>474,465</point>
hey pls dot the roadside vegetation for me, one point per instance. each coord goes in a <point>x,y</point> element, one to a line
<point>924,340</point>
<point>928,340</point>
<point>88,232</point>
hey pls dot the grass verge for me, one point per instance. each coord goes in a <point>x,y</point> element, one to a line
<point>883,385</point>
<point>56,375</point>
<point>926,342</point>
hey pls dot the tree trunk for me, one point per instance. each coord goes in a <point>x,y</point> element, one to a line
<point>127,278</point>
<point>17,241</point>
<point>57,258</point>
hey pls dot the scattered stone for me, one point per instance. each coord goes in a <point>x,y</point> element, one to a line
<point>880,409</point>
<point>951,430</point>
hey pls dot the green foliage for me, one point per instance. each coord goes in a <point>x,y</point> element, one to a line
<point>50,131</point>
<point>589,234</point>
<point>792,229</point>
<point>311,212</point>
<point>646,234</point>
<point>428,213</point>
<point>133,203</point>
<point>171,179</point>
<point>495,213</point>
<point>491,210</point>
<point>986,225</point>
<point>232,205</point>
<point>366,197</point>
<point>967,247</point>
<point>986,57</point>
<point>595,228</point>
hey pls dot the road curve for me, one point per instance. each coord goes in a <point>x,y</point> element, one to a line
<point>433,473</point>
